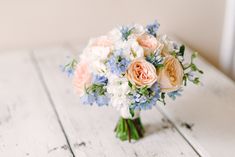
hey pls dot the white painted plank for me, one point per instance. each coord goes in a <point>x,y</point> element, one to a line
<point>28,124</point>
<point>211,108</point>
<point>90,129</point>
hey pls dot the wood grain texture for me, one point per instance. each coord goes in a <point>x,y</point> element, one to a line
<point>28,124</point>
<point>90,129</point>
<point>211,108</point>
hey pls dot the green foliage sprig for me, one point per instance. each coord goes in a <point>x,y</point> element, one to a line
<point>192,67</point>
<point>96,88</point>
<point>70,67</point>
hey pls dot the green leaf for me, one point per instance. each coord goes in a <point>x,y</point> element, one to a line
<point>144,90</point>
<point>132,112</point>
<point>196,80</point>
<point>174,54</point>
<point>163,96</point>
<point>193,67</point>
<point>159,66</point>
<point>194,55</point>
<point>185,77</point>
<point>182,49</point>
<point>133,53</point>
<point>200,71</point>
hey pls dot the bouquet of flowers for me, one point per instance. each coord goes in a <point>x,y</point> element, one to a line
<point>132,68</point>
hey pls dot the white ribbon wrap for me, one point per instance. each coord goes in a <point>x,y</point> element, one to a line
<point>125,113</point>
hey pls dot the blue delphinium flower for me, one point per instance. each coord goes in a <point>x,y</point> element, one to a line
<point>155,88</point>
<point>145,98</point>
<point>153,28</point>
<point>174,94</point>
<point>95,97</point>
<point>87,99</point>
<point>126,31</point>
<point>191,75</point>
<point>102,100</point>
<point>175,46</point>
<point>69,68</point>
<point>156,59</point>
<point>117,63</point>
<point>69,71</point>
<point>100,80</point>
<point>96,93</point>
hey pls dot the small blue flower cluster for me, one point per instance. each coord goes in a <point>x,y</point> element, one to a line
<point>155,59</point>
<point>117,63</point>
<point>100,80</point>
<point>145,98</point>
<point>96,93</point>
<point>153,28</point>
<point>174,94</point>
<point>69,71</point>
<point>126,32</point>
<point>69,68</point>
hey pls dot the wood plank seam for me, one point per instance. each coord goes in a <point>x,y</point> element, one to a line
<point>41,78</point>
<point>177,129</point>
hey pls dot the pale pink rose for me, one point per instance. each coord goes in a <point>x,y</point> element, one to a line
<point>82,77</point>
<point>141,73</point>
<point>170,77</point>
<point>149,43</point>
<point>102,41</point>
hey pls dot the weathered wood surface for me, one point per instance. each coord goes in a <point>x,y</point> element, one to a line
<point>211,110</point>
<point>28,123</point>
<point>40,114</point>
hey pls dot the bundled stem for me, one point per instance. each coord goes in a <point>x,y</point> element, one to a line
<point>128,129</point>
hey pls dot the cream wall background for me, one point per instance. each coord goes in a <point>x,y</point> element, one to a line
<point>30,23</point>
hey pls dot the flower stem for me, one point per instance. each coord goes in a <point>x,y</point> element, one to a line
<point>128,129</point>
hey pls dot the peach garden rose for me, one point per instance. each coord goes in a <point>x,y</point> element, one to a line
<point>149,43</point>
<point>170,77</point>
<point>141,73</point>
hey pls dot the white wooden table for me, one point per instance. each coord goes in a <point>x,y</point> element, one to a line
<point>41,116</point>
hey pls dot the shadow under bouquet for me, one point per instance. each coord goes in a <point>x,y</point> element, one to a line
<point>132,68</point>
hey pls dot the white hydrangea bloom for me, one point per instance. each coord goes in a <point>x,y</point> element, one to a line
<point>135,50</point>
<point>131,49</point>
<point>118,89</point>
